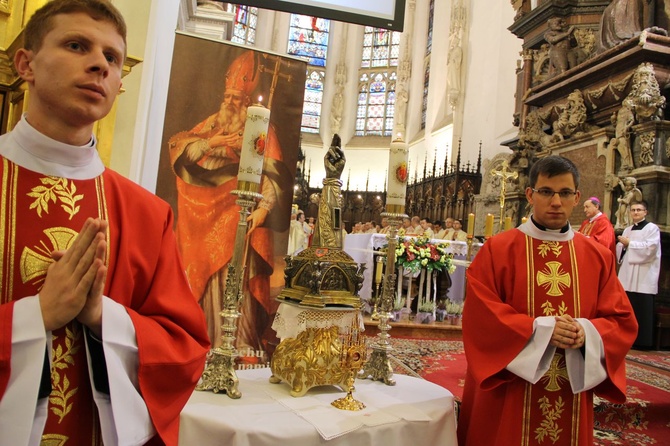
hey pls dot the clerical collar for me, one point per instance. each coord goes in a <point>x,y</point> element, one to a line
<point>639,225</point>
<point>564,229</point>
<point>597,215</point>
<point>29,148</point>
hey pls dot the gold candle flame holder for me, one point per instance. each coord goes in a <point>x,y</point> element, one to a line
<point>219,374</point>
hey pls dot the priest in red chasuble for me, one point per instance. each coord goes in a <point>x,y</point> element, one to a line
<point>544,328</point>
<point>597,226</point>
<point>101,339</point>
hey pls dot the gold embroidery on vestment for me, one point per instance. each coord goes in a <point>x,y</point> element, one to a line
<point>61,392</point>
<point>553,278</point>
<point>55,189</point>
<point>549,426</point>
<point>556,374</point>
<point>34,263</point>
<point>53,440</point>
<point>547,246</point>
<point>549,310</point>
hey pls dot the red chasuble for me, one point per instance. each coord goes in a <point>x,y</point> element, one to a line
<point>529,278</point>
<point>600,230</point>
<point>41,214</point>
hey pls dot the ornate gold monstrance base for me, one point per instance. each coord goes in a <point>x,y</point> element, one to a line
<point>312,359</point>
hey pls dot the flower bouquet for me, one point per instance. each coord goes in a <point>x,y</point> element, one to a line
<point>413,254</point>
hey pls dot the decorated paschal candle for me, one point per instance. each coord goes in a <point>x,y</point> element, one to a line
<point>398,173</point>
<point>254,143</point>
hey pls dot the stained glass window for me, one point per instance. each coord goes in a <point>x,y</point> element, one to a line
<point>244,26</point>
<point>311,109</point>
<point>381,48</point>
<point>377,82</point>
<point>308,37</point>
<point>376,103</point>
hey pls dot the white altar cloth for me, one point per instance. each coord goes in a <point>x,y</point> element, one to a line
<point>414,411</point>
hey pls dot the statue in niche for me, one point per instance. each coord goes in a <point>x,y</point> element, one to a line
<point>572,118</point>
<point>645,97</point>
<point>625,19</point>
<point>401,99</point>
<point>562,56</point>
<point>630,193</point>
<point>336,111</point>
<point>454,66</point>
<point>622,122</point>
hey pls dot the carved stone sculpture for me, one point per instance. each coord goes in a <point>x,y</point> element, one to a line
<point>630,193</point>
<point>622,121</point>
<point>561,43</point>
<point>645,97</point>
<point>625,19</point>
<point>454,67</point>
<point>572,118</point>
<point>532,135</point>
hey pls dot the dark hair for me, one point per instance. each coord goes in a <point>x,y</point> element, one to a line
<point>41,22</point>
<point>551,166</point>
<point>640,202</point>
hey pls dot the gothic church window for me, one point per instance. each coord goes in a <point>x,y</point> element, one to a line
<point>308,37</point>
<point>244,26</point>
<point>377,82</point>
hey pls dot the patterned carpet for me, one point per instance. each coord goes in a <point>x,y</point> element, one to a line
<point>643,420</point>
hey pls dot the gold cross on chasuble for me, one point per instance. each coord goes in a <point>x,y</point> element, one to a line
<point>553,278</point>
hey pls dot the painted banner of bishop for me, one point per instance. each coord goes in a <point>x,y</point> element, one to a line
<point>211,85</point>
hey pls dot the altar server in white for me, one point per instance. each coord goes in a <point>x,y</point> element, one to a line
<point>639,252</point>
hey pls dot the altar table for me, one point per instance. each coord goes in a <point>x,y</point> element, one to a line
<point>361,247</point>
<point>263,417</point>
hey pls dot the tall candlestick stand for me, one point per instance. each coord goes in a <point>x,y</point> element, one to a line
<point>469,241</point>
<point>219,374</point>
<point>377,287</point>
<point>378,366</point>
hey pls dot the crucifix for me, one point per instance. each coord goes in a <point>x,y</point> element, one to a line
<point>505,174</point>
<point>278,61</point>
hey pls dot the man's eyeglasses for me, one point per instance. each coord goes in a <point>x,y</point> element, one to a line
<point>549,193</point>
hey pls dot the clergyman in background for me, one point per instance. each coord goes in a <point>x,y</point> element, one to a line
<point>597,226</point>
<point>639,253</point>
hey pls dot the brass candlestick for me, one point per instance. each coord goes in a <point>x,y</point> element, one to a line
<point>469,241</point>
<point>219,374</point>
<point>377,287</point>
<point>379,366</point>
